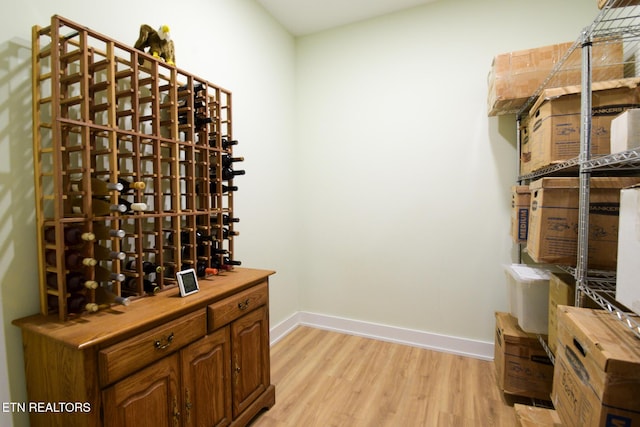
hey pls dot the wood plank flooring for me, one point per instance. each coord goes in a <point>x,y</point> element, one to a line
<point>325,378</point>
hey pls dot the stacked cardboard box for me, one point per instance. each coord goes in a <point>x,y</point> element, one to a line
<point>555,125</point>
<point>522,366</point>
<point>553,220</point>
<point>597,370</point>
<point>531,416</point>
<point>515,76</point>
<point>562,291</point>
<point>520,201</point>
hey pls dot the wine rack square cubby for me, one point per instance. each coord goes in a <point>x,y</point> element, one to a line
<point>133,164</point>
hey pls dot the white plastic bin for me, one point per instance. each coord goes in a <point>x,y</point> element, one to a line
<point>528,289</point>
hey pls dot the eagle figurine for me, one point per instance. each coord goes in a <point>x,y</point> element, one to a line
<point>159,43</point>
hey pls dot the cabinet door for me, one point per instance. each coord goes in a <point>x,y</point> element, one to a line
<point>250,358</point>
<point>148,398</point>
<point>206,380</point>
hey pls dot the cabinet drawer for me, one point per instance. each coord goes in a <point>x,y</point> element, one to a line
<point>229,309</point>
<point>130,355</point>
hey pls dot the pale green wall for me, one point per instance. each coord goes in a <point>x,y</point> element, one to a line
<point>408,181</point>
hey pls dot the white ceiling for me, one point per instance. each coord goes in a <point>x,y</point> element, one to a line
<point>302,17</point>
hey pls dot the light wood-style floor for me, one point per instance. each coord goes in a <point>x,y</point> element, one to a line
<point>325,378</point>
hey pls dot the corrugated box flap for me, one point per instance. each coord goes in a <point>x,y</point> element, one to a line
<point>565,182</point>
<point>604,339</point>
<point>557,92</point>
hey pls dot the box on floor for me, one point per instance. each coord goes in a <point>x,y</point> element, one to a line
<point>596,382</point>
<point>531,416</point>
<point>522,366</point>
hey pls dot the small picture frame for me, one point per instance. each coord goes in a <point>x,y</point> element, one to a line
<point>188,282</point>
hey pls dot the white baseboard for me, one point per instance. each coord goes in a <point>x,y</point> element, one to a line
<point>460,346</point>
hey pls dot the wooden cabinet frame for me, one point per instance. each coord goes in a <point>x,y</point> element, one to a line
<point>198,372</point>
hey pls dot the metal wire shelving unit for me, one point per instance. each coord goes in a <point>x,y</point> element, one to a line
<point>618,21</point>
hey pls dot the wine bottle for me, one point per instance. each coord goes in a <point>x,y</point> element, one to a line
<point>229,261</point>
<point>73,259</point>
<point>201,120</point>
<point>130,285</point>
<point>197,87</point>
<point>229,173</point>
<point>130,207</point>
<point>227,219</point>
<point>99,207</point>
<point>98,187</point>
<point>226,143</point>
<point>103,274</point>
<point>147,267</point>
<point>227,160</point>
<point>149,287</point>
<point>210,271</point>
<point>76,303</point>
<point>128,186</point>
<point>228,188</point>
<point>215,263</point>
<point>72,236</point>
<point>102,232</point>
<point>105,296</point>
<point>226,233</point>
<point>75,282</point>
<point>102,253</point>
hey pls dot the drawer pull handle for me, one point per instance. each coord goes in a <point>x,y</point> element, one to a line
<point>243,305</point>
<point>161,346</point>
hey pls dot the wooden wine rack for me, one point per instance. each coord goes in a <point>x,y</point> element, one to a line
<point>105,111</point>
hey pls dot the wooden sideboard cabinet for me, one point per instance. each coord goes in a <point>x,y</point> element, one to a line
<point>202,360</point>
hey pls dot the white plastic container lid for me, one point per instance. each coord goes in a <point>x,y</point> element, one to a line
<point>526,274</point>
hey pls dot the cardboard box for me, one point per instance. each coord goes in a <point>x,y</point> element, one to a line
<point>562,291</point>
<point>525,151</point>
<point>628,267</point>
<point>515,76</point>
<point>555,125</point>
<point>522,366</point>
<point>597,371</point>
<point>625,131</point>
<point>520,201</point>
<point>618,3</point>
<point>553,221</point>
<point>531,416</point>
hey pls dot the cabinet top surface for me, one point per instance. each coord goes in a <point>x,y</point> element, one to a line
<point>106,325</point>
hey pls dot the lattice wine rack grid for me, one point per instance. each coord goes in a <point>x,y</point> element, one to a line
<point>133,171</point>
